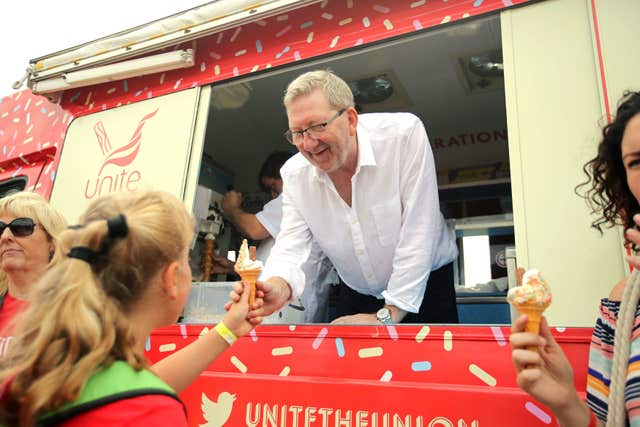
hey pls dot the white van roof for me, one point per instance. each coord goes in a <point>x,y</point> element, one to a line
<point>188,25</point>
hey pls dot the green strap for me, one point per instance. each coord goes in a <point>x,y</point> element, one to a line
<point>116,382</point>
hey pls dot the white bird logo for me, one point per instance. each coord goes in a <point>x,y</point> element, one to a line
<point>217,413</point>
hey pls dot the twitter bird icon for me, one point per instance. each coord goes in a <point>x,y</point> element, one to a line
<point>217,413</point>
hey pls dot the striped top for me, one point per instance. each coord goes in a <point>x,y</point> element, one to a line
<point>601,359</point>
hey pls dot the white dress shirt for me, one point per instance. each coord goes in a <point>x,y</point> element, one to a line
<point>391,237</point>
<point>270,217</point>
<point>318,271</point>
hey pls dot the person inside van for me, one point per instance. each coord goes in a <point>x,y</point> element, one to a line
<point>78,356</point>
<point>363,187</point>
<point>29,246</point>
<point>612,387</point>
<point>265,226</point>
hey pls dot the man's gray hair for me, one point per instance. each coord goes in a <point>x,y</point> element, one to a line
<point>335,90</point>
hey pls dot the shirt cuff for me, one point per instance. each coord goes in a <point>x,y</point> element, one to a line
<point>404,305</point>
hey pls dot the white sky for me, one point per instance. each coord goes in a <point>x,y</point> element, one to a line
<point>36,28</point>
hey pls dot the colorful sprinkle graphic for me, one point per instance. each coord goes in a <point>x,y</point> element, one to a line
<point>538,412</point>
<point>340,347</point>
<point>316,343</point>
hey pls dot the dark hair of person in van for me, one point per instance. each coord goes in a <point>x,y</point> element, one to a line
<point>608,193</point>
<point>271,167</point>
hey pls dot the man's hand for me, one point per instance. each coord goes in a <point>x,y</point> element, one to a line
<point>231,201</point>
<point>271,296</point>
<point>359,319</point>
<point>397,314</point>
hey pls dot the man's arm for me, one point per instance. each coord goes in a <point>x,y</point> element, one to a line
<point>246,223</point>
<point>397,314</point>
<point>421,233</point>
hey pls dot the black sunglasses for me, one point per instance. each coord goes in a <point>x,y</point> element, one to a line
<point>20,227</point>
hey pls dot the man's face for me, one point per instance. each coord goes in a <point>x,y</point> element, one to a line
<point>330,149</point>
<point>274,185</point>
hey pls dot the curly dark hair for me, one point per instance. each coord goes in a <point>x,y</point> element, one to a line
<point>607,191</point>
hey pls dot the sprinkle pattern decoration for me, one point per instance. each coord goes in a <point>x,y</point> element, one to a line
<point>32,131</point>
<point>30,124</point>
<point>318,29</point>
<point>447,366</point>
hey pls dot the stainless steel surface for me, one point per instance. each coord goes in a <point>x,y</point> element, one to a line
<point>481,300</point>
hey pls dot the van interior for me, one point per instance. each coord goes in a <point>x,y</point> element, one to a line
<point>451,78</point>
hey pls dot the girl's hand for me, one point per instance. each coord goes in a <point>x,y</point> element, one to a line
<point>545,374</point>
<point>236,318</point>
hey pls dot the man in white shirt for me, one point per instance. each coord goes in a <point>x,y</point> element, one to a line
<point>265,226</point>
<point>364,188</point>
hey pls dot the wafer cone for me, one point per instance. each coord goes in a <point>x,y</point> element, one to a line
<point>250,277</point>
<point>534,317</point>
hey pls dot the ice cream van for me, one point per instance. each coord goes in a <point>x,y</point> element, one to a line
<point>512,93</point>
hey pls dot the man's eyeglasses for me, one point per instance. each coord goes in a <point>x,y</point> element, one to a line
<point>296,136</point>
<point>20,227</point>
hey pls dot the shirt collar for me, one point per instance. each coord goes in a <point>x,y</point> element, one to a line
<point>365,152</point>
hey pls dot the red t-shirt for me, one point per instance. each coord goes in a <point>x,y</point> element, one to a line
<point>10,309</point>
<point>142,411</point>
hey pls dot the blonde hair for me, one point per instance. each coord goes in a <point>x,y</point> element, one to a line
<point>335,90</point>
<point>36,207</point>
<point>76,322</point>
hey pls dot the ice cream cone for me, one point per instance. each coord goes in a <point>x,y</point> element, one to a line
<point>250,277</point>
<point>249,269</point>
<point>534,317</point>
<point>532,297</point>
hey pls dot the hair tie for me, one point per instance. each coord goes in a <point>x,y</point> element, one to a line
<point>82,253</point>
<point>117,226</point>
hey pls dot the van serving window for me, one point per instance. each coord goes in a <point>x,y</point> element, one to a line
<point>449,77</point>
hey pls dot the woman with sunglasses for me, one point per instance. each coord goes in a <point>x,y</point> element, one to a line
<point>28,248</point>
<point>78,357</point>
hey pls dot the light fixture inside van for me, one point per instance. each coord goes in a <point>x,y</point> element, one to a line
<point>118,71</point>
<point>370,90</point>
<point>230,97</point>
<point>487,64</point>
<point>481,72</point>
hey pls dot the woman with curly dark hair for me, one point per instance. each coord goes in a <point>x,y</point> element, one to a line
<point>613,384</point>
<point>610,191</point>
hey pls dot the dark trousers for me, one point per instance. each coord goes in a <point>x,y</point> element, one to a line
<point>438,304</point>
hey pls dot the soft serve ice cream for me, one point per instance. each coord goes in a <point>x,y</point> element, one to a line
<point>531,298</point>
<point>248,269</point>
<point>244,261</point>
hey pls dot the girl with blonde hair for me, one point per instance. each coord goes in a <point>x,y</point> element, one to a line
<point>78,357</point>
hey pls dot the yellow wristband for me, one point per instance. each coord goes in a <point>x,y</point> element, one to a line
<point>225,333</point>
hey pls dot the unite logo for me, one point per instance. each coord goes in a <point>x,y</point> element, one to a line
<point>117,178</point>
